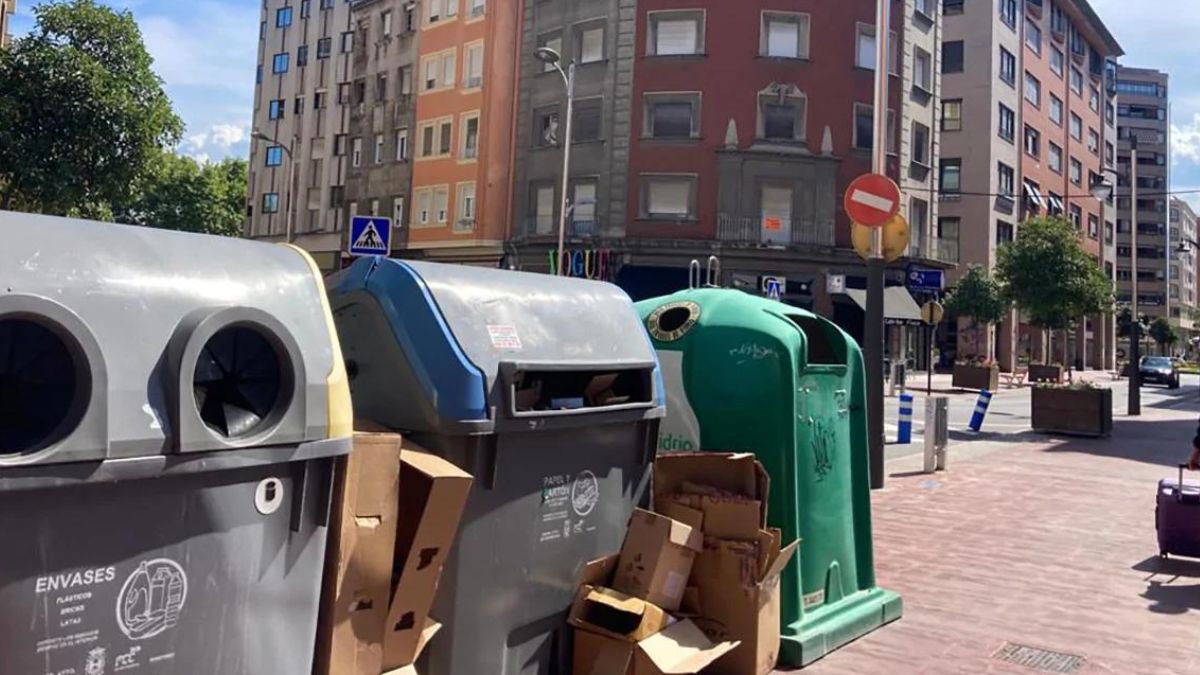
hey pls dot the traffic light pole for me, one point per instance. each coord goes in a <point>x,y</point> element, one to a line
<point>1134,405</point>
<point>873,334</point>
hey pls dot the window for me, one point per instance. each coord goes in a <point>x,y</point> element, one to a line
<point>449,70</point>
<point>922,7</point>
<point>1054,204</point>
<point>1008,13</point>
<point>952,7</point>
<point>583,202</point>
<point>952,57</point>
<point>918,223</point>
<point>950,179</point>
<point>668,196</point>
<point>476,8</point>
<point>1058,62</point>
<point>474,74</point>
<point>356,148</point>
<point>305,8</point>
<point>435,10</point>
<point>410,17</point>
<point>920,144</point>
<point>1033,35</point>
<point>1094,99</point>
<point>347,42</point>
<point>1004,233</point>
<point>864,56</point>
<point>1033,142</point>
<point>922,69</point>
<point>374,207</point>
<point>401,145</point>
<point>470,136</point>
<point>1056,110</point>
<point>545,127</point>
<point>1076,81</point>
<point>423,204</point>
<point>404,80</point>
<point>326,4</point>
<point>275,110</point>
<point>299,106</point>
<point>451,7</point>
<point>385,23</point>
<point>864,128</point>
<point>280,63</point>
<point>323,47</point>
<point>952,115</point>
<point>1093,142</point>
<point>339,145</point>
<point>1076,127</point>
<point>258,75</point>
<point>781,116</point>
<point>1076,171</point>
<point>784,35</point>
<point>270,202</point>
<point>360,91</point>
<point>1110,152</point>
<point>1054,158</point>
<point>550,42</point>
<point>673,33</point>
<point>283,17</point>
<point>1094,227</point>
<point>445,131</point>
<point>590,45</point>
<point>672,116</point>
<point>320,97</point>
<point>440,71</point>
<point>1008,123</point>
<point>1076,216</point>
<point>441,203</point>
<point>381,87</point>
<point>542,205</point>
<point>398,212</point>
<point>1008,67</point>
<point>465,206</point>
<point>1149,89</point>
<point>379,148</point>
<point>274,155</point>
<point>586,125</point>
<point>301,55</point>
<point>1004,180</point>
<point>1033,90</point>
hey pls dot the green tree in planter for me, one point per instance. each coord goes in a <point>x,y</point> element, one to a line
<point>978,296</point>
<point>1050,277</point>
<point>1162,332</point>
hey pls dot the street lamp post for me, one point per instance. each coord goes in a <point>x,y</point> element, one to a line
<point>873,334</point>
<point>553,58</point>
<point>287,236</point>
<point>1134,405</point>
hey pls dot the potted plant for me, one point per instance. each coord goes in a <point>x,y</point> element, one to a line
<point>1080,409</point>
<point>979,298</point>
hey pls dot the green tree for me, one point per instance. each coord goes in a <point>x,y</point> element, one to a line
<point>178,193</point>
<point>978,296</point>
<point>1050,277</point>
<point>81,111</point>
<point>1162,332</point>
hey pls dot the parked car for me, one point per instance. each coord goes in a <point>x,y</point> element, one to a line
<point>1160,370</point>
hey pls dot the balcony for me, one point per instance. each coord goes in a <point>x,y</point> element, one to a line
<point>773,232</point>
<point>546,227</point>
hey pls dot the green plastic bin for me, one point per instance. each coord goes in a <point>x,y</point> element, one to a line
<point>744,373</point>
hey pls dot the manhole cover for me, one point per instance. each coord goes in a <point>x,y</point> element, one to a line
<point>1039,659</point>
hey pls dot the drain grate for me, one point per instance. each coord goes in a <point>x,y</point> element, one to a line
<point>1039,659</point>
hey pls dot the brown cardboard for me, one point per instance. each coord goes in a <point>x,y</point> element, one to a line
<point>712,474</point>
<point>740,600</point>
<point>616,615</point>
<point>656,559</point>
<point>599,655</point>
<point>721,516</point>
<point>361,545</point>
<point>431,628</point>
<point>680,649</point>
<point>433,493</point>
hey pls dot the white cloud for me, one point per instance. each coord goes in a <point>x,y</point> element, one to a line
<point>219,140</point>
<point>225,136</point>
<point>1185,141</point>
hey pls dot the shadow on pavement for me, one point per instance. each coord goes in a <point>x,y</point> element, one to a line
<point>1161,442</point>
<point>1165,596</point>
<point>1173,567</point>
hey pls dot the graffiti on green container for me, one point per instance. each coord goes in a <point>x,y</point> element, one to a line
<point>823,441</point>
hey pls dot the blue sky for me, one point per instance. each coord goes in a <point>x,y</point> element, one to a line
<point>206,50</point>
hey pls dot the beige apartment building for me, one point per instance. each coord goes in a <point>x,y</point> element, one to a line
<point>1182,273</point>
<point>1028,102</point>
<point>920,143</point>
<point>302,111</point>
<point>7,9</point>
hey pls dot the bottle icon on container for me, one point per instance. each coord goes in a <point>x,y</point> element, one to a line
<point>152,598</point>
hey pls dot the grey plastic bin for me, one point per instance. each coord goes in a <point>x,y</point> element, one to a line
<point>548,391</point>
<point>171,406</point>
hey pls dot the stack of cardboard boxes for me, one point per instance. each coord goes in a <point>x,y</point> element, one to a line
<point>696,584</point>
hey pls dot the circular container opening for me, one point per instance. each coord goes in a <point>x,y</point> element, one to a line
<point>44,385</point>
<point>675,318</point>
<point>240,382</point>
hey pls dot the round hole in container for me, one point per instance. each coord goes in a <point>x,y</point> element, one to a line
<point>241,381</point>
<point>45,384</point>
<point>268,496</point>
<point>672,321</point>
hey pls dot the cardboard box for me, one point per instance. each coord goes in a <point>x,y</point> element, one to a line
<point>727,488</point>
<point>431,628</point>
<point>433,494</point>
<point>612,613</point>
<point>737,589</point>
<point>678,649</point>
<point>656,559</point>
<point>358,570</point>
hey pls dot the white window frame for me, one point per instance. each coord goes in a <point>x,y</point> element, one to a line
<point>655,19</point>
<point>801,22</point>
<point>582,31</point>
<point>460,202</point>
<point>379,144</point>
<point>464,123</point>
<point>356,151</point>
<point>402,144</point>
<point>645,180</point>
<point>474,61</point>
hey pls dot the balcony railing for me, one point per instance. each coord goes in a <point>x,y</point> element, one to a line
<point>546,226</point>
<point>769,231</point>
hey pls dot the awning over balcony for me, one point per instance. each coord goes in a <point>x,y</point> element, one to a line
<point>898,304</point>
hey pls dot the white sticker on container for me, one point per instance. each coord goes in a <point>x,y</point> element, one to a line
<point>675,585</point>
<point>504,337</point>
<point>813,599</point>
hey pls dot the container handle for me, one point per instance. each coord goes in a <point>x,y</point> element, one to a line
<point>694,275</point>
<point>713,272</point>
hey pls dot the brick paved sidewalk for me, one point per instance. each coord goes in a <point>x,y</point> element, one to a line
<point>1044,543</point>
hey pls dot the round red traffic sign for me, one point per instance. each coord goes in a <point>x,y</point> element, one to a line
<point>872,200</point>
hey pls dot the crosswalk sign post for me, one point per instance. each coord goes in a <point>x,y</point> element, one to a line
<point>774,289</point>
<point>370,235</point>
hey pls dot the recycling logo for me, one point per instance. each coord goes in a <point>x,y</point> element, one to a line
<point>369,240</point>
<point>151,599</point>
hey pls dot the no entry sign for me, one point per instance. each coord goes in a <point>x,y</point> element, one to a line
<point>872,200</point>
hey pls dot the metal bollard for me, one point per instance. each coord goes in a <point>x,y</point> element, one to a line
<point>981,406</point>
<point>904,427</point>
<point>937,432</point>
<point>899,377</point>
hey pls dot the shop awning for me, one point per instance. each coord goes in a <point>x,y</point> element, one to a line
<point>1034,196</point>
<point>898,304</point>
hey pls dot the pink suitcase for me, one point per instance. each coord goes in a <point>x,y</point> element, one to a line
<point>1177,517</point>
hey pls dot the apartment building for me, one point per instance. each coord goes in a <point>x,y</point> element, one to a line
<point>1142,119</point>
<point>7,9</point>
<point>1182,274</point>
<point>302,96</point>
<point>1028,100</point>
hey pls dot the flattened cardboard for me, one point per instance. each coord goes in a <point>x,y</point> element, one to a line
<point>433,493</point>
<point>678,510</point>
<point>680,649</point>
<point>702,472</point>
<point>358,571</point>
<point>599,655</point>
<point>615,614</point>
<point>656,559</point>
<point>431,628</point>
<point>721,516</point>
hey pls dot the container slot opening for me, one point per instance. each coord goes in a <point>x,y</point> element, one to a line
<point>241,381</point>
<point>547,390</point>
<point>825,345</point>
<point>45,384</point>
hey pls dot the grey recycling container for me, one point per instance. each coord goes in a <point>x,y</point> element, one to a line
<point>171,406</point>
<point>548,391</point>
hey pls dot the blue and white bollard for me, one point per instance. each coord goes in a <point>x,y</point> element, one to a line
<point>904,428</point>
<point>981,406</point>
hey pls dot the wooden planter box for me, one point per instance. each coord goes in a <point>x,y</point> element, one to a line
<point>1085,412</point>
<point>976,377</point>
<point>1045,374</point>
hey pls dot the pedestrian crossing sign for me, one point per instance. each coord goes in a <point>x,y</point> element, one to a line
<point>370,235</point>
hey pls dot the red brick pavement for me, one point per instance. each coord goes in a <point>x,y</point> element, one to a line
<point>1047,543</point>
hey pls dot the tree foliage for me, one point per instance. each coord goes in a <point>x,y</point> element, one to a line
<point>978,296</point>
<point>1050,277</point>
<point>81,111</point>
<point>177,193</point>
<point>1162,332</point>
